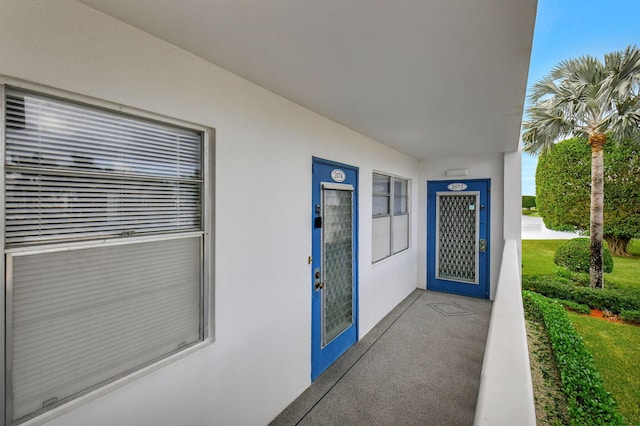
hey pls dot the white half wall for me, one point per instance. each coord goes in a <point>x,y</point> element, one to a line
<point>261,357</point>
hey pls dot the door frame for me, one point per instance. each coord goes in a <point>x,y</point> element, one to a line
<point>484,259</point>
<point>321,361</point>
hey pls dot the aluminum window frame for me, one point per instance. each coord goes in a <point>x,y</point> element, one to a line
<point>391,214</point>
<point>207,193</point>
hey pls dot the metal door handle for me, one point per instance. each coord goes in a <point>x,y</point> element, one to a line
<point>483,245</point>
<point>319,285</point>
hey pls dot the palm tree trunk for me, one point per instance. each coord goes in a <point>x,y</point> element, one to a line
<point>597,141</point>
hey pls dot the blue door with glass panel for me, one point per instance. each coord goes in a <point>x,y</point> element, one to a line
<point>458,236</point>
<point>334,271</point>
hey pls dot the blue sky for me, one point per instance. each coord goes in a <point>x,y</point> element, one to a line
<point>570,28</point>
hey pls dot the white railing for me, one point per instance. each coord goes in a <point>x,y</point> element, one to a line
<point>506,392</point>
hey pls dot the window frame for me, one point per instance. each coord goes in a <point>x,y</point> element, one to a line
<point>391,210</point>
<point>206,313</point>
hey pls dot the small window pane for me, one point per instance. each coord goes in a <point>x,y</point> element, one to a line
<point>399,205</point>
<point>400,196</point>
<point>400,233</point>
<point>380,238</point>
<point>380,205</point>
<point>399,187</point>
<point>381,184</point>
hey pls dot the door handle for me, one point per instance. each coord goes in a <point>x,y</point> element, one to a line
<point>317,275</point>
<point>483,245</point>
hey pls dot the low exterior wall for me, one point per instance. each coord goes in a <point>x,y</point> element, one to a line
<point>506,391</point>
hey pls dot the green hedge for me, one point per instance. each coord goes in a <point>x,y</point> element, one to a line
<point>575,307</point>
<point>604,299</point>
<point>575,255</point>
<point>588,402</point>
<point>630,316</point>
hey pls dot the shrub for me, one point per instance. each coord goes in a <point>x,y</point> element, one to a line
<point>604,299</point>
<point>566,276</point>
<point>575,307</point>
<point>528,202</point>
<point>630,316</point>
<point>575,255</point>
<point>588,402</point>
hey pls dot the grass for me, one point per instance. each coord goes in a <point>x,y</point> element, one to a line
<point>616,352</point>
<point>537,259</point>
<point>537,256</point>
<point>527,212</point>
<point>626,270</point>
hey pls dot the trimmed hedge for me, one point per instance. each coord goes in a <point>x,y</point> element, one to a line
<point>575,307</point>
<point>630,316</point>
<point>602,298</point>
<point>588,402</point>
<point>575,255</point>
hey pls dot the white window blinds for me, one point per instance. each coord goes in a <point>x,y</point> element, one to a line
<point>74,172</point>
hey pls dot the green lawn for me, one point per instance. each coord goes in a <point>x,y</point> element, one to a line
<point>626,270</point>
<point>537,256</point>
<point>537,259</point>
<point>616,352</point>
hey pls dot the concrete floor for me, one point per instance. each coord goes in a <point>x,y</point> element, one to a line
<point>420,365</point>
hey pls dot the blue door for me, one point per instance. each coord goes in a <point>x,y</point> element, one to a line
<point>334,272</point>
<point>458,237</point>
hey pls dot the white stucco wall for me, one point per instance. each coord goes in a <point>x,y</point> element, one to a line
<point>260,360</point>
<point>490,166</point>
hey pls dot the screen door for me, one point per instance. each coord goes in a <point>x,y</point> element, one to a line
<point>457,237</point>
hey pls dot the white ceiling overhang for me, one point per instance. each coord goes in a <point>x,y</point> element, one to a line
<point>427,77</point>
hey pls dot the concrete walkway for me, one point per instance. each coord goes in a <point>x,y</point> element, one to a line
<point>533,229</point>
<point>420,365</point>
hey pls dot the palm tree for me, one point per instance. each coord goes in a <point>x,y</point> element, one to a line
<point>587,98</point>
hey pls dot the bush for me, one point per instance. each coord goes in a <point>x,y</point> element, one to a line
<point>528,202</point>
<point>575,307</point>
<point>575,256</point>
<point>566,276</point>
<point>630,316</point>
<point>588,402</point>
<point>603,299</point>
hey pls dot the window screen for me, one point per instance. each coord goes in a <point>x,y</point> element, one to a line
<point>104,243</point>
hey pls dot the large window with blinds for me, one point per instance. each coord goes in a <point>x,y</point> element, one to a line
<point>105,246</point>
<point>390,216</point>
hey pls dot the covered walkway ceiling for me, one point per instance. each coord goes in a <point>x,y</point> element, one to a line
<point>427,77</point>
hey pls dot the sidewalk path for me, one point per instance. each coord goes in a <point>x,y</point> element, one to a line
<point>533,229</point>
